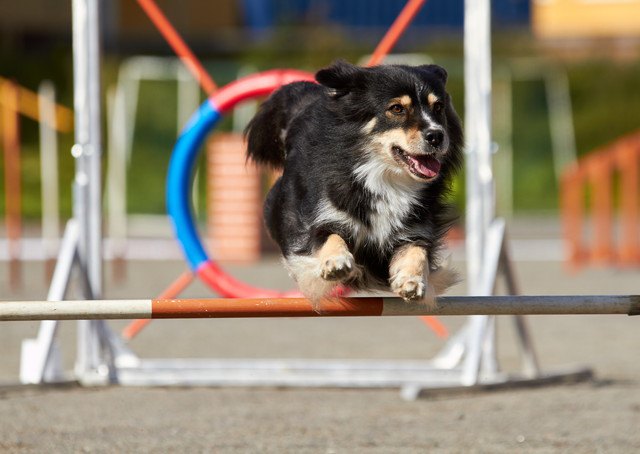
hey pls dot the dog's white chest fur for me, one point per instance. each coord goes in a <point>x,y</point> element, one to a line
<point>388,215</point>
<point>393,200</point>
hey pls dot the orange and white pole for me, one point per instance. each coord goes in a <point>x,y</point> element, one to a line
<point>330,307</point>
<point>176,287</point>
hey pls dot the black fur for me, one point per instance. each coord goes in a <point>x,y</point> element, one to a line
<point>314,132</point>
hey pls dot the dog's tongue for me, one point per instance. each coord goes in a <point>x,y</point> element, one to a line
<point>425,165</point>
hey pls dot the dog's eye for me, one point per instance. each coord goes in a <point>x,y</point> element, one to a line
<point>396,109</point>
<point>437,107</point>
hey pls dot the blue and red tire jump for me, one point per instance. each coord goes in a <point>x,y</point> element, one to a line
<point>181,170</point>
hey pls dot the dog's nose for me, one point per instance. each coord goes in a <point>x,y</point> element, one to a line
<point>434,137</point>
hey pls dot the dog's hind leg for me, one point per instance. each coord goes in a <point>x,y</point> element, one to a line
<point>410,277</point>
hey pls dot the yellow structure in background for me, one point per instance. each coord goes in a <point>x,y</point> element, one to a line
<point>585,18</point>
<point>27,105</point>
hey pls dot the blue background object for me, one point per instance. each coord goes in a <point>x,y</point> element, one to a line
<point>262,15</point>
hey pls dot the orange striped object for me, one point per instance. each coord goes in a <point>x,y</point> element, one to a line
<point>329,307</point>
<point>178,45</point>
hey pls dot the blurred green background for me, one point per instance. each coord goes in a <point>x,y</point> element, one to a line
<point>604,89</point>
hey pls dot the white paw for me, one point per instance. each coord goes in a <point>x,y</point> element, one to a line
<point>337,267</point>
<point>409,287</point>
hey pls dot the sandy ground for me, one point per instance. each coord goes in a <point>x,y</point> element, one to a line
<point>602,415</point>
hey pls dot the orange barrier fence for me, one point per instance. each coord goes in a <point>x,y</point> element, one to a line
<point>591,191</point>
<point>16,100</point>
<point>28,102</point>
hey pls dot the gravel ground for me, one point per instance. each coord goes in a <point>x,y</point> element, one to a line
<point>598,416</point>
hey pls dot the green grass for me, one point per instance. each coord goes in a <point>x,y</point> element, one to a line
<point>606,101</point>
<point>535,187</point>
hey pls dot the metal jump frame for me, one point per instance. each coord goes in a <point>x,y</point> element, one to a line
<point>469,359</point>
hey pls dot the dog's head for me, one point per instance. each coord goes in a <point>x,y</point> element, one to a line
<point>404,114</point>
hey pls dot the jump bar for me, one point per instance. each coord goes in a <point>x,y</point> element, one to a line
<point>331,307</point>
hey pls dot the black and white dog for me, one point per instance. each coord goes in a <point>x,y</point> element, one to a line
<point>367,157</point>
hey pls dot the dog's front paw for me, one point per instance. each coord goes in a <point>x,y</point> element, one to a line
<point>337,267</point>
<point>409,288</point>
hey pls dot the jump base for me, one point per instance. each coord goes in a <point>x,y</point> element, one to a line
<point>413,378</point>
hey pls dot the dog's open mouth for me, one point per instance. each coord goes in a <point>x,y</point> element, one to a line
<point>423,166</point>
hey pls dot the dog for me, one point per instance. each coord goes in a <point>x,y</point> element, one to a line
<point>367,156</point>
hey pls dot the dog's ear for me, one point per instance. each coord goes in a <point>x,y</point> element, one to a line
<point>341,77</point>
<point>438,71</point>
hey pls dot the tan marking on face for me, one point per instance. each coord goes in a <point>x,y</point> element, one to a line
<point>410,140</point>
<point>432,99</point>
<point>368,128</point>
<point>388,139</point>
<point>404,101</point>
<point>413,135</point>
